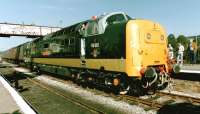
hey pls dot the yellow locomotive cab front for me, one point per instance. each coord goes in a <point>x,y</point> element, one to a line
<point>146,45</point>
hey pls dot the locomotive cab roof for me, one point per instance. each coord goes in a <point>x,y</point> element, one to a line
<point>99,24</point>
<point>96,25</point>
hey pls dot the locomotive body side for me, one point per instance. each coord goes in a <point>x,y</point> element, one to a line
<point>102,50</point>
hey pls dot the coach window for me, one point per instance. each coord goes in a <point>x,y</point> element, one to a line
<point>115,19</point>
<point>82,29</point>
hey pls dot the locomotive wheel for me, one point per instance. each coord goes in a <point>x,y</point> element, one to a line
<point>90,82</point>
<point>77,79</point>
<point>124,87</point>
<point>119,84</point>
<point>73,76</point>
<point>136,88</point>
<point>151,91</point>
<point>82,79</point>
<point>38,72</point>
<point>116,90</point>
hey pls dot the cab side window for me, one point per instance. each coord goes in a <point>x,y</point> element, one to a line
<point>89,28</point>
<point>95,48</point>
<point>115,19</point>
<point>92,28</point>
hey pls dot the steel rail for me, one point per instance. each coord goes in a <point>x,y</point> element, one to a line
<point>146,102</point>
<point>89,108</point>
<point>190,98</point>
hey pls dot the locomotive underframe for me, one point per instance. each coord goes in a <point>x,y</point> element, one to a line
<point>117,82</point>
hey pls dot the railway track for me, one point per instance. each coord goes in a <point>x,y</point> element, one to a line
<point>127,98</point>
<point>150,103</point>
<point>188,98</point>
<point>156,105</point>
<point>85,106</point>
<point>147,102</point>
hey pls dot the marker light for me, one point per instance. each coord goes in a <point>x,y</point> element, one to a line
<point>94,17</point>
<point>148,36</point>
<point>142,71</point>
<point>162,37</point>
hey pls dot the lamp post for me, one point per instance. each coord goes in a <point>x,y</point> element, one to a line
<point>196,40</point>
<point>196,57</point>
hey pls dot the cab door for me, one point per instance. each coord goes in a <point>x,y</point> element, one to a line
<point>82,53</point>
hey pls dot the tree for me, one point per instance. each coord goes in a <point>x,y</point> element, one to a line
<point>183,40</point>
<point>172,40</point>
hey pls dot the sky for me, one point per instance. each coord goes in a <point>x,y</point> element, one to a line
<point>179,17</point>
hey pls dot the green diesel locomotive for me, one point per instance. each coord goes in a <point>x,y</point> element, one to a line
<point>112,50</point>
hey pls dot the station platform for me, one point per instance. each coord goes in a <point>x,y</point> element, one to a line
<point>190,68</point>
<point>11,102</point>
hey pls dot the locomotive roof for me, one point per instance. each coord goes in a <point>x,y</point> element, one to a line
<point>101,21</point>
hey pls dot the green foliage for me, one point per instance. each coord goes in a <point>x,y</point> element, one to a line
<point>172,40</point>
<point>180,39</point>
<point>183,40</point>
